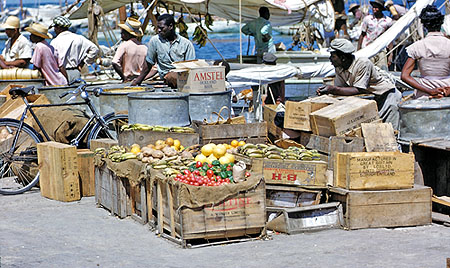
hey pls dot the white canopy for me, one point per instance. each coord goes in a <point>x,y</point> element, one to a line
<point>291,12</point>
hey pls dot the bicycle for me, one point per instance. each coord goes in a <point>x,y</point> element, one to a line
<point>18,151</point>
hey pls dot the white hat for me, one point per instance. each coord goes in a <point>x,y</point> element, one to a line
<point>133,26</point>
<point>39,30</point>
<point>342,45</point>
<point>12,22</point>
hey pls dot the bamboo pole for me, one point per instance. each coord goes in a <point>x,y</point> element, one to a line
<point>240,32</point>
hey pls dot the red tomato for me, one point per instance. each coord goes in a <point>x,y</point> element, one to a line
<point>198,164</point>
<point>218,178</point>
<point>196,172</point>
<point>187,172</point>
<point>209,173</point>
<point>196,184</point>
<point>247,174</point>
<point>210,165</point>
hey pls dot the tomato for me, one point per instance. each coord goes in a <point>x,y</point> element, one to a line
<point>187,172</point>
<point>247,174</point>
<point>196,172</point>
<point>209,173</point>
<point>196,184</point>
<point>198,164</point>
<point>210,165</point>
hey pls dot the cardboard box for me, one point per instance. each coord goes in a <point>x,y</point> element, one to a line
<point>343,116</point>
<point>58,167</point>
<point>391,208</point>
<point>269,116</point>
<point>297,114</point>
<point>199,76</point>
<point>374,171</point>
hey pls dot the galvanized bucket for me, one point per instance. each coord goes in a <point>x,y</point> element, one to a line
<point>159,108</point>
<point>424,119</point>
<point>203,105</point>
<point>53,92</point>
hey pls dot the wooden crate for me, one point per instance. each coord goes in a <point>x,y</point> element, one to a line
<point>111,192</point>
<point>332,145</point>
<point>269,116</point>
<point>374,171</point>
<point>296,115</point>
<point>343,116</point>
<point>86,172</point>
<point>143,138</point>
<point>238,216</point>
<point>291,196</point>
<point>390,208</point>
<point>288,172</point>
<point>13,108</point>
<point>225,133</point>
<point>58,167</point>
<point>5,91</point>
<point>102,143</point>
<point>301,219</point>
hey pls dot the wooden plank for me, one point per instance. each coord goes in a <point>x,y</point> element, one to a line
<point>343,144</point>
<point>232,131</point>
<point>143,138</point>
<point>160,207</point>
<point>144,202</point>
<point>443,200</point>
<point>341,117</point>
<point>374,170</point>
<point>86,172</point>
<point>171,210</point>
<point>379,137</point>
<point>294,172</point>
<point>58,167</point>
<point>102,143</point>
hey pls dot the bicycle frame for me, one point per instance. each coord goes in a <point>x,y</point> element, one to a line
<point>96,117</point>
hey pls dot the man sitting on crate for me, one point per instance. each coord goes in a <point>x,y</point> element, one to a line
<point>164,49</point>
<point>17,51</point>
<point>358,76</point>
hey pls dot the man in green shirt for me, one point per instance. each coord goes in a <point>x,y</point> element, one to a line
<point>261,30</point>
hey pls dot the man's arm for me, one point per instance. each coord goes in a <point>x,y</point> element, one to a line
<point>360,40</point>
<point>91,52</point>
<point>247,30</point>
<point>138,80</point>
<point>62,69</point>
<point>19,63</point>
<point>119,71</point>
<point>341,91</point>
<point>406,76</point>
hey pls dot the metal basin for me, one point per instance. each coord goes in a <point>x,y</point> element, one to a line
<point>424,119</point>
<point>159,108</point>
<point>202,105</point>
<point>53,92</point>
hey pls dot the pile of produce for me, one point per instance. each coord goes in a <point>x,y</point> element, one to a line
<point>211,152</point>
<point>145,127</point>
<point>274,152</point>
<point>116,153</point>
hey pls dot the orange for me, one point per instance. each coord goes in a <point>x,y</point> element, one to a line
<point>176,143</point>
<point>235,143</point>
<point>241,143</point>
<point>135,149</point>
<point>169,141</point>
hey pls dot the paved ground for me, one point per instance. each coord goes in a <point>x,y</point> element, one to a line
<point>38,232</point>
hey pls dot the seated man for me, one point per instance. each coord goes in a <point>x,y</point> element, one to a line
<point>164,49</point>
<point>359,75</point>
<point>129,59</point>
<point>17,51</point>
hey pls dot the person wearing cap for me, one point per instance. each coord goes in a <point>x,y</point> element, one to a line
<point>164,49</point>
<point>261,30</point>
<point>431,55</point>
<point>45,58</point>
<point>359,76</point>
<point>74,50</point>
<point>129,59</point>
<point>371,28</point>
<point>17,51</point>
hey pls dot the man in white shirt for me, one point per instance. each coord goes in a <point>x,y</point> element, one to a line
<point>17,51</point>
<point>74,50</point>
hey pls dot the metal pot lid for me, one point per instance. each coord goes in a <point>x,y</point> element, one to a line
<point>426,104</point>
<point>157,95</point>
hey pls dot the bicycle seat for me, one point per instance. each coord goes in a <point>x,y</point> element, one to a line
<point>20,91</point>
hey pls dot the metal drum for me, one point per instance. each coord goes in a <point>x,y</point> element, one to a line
<point>159,108</point>
<point>202,105</point>
<point>424,119</point>
<point>53,92</point>
<point>23,82</point>
<point>114,98</point>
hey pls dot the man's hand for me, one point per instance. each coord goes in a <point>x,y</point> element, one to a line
<point>437,93</point>
<point>134,82</point>
<point>171,79</point>
<point>325,89</point>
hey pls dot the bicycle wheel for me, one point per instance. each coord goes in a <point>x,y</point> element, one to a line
<point>19,169</point>
<point>114,122</point>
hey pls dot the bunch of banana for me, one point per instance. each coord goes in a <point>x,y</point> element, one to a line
<point>145,127</point>
<point>208,21</point>
<point>170,172</point>
<point>274,152</point>
<point>118,153</point>
<point>174,162</point>
<point>101,151</point>
<point>182,27</point>
<point>200,36</point>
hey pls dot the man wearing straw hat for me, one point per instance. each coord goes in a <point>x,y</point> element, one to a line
<point>371,28</point>
<point>74,50</point>
<point>45,58</point>
<point>17,51</point>
<point>129,59</point>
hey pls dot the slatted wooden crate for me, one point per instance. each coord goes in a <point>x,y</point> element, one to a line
<point>389,208</point>
<point>374,171</point>
<point>236,218</point>
<point>225,133</point>
<point>143,138</point>
<point>111,192</point>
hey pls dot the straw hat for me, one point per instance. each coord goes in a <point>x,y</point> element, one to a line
<point>39,30</point>
<point>12,22</point>
<point>133,26</point>
<point>353,6</point>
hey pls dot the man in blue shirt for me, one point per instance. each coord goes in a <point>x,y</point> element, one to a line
<point>261,30</point>
<point>164,49</point>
